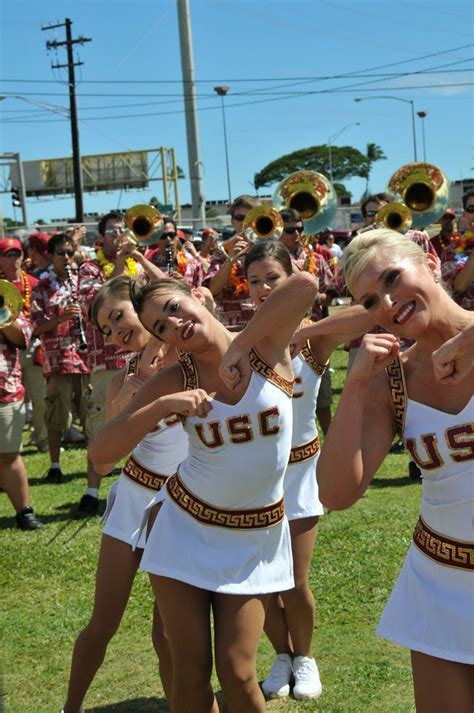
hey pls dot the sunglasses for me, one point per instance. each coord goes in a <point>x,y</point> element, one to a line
<point>12,254</point>
<point>114,231</point>
<point>469,208</point>
<point>238,217</point>
<point>371,213</point>
<point>63,253</point>
<point>292,231</point>
<point>164,236</point>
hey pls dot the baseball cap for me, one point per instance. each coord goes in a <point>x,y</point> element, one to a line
<point>7,244</point>
<point>449,212</point>
<point>39,241</point>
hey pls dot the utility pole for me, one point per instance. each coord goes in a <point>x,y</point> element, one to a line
<point>192,132</point>
<point>76,153</point>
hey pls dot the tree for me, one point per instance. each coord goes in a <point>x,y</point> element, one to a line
<point>373,153</point>
<point>346,161</point>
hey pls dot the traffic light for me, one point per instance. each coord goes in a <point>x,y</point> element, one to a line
<point>16,199</point>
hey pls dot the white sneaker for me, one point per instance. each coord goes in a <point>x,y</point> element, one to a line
<point>307,681</point>
<point>277,683</point>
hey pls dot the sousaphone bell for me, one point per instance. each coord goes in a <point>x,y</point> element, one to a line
<point>424,189</point>
<point>311,195</point>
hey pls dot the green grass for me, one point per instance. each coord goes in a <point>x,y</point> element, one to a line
<point>47,581</point>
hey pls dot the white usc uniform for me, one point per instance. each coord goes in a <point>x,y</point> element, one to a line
<point>156,457</point>
<point>221,526</point>
<point>431,608</point>
<point>300,485</point>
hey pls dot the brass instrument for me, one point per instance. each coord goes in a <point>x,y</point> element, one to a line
<point>145,224</point>
<point>424,189</point>
<point>11,303</point>
<point>262,223</point>
<point>312,195</point>
<point>395,216</point>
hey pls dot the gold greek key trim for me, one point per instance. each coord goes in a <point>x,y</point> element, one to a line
<point>190,372</point>
<point>396,380</point>
<point>304,452</point>
<point>261,367</point>
<point>442,549</point>
<point>311,360</point>
<point>132,366</point>
<point>210,515</point>
<point>133,470</point>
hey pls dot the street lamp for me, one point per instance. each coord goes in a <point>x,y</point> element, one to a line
<point>222,91</point>
<point>55,108</point>
<point>331,139</point>
<point>398,99</point>
<point>422,115</point>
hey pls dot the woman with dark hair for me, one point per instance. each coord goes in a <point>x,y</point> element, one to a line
<point>290,617</point>
<point>220,540</point>
<point>430,610</point>
<point>153,459</point>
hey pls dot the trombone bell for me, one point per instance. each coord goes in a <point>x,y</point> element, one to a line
<point>424,189</point>
<point>311,195</point>
<point>145,223</point>
<point>262,223</point>
<point>395,216</point>
<point>11,303</point>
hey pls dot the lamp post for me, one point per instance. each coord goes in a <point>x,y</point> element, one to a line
<point>405,101</point>
<point>222,91</point>
<point>422,115</point>
<point>331,139</point>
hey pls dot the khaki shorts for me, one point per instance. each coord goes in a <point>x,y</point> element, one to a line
<point>63,391</point>
<point>12,420</point>
<point>99,383</point>
<point>325,391</point>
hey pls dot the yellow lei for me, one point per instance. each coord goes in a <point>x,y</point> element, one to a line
<point>107,266</point>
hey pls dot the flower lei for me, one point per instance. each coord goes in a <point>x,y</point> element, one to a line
<point>182,261</point>
<point>310,261</point>
<point>25,292</point>
<point>239,284</point>
<point>107,266</point>
<point>50,279</point>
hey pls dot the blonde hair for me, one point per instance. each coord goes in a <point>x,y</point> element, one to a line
<point>364,247</point>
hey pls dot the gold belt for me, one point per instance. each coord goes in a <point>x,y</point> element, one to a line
<point>442,549</point>
<point>133,470</point>
<point>304,452</point>
<point>234,519</point>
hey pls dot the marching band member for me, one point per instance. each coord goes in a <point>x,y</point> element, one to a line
<point>430,609</point>
<point>220,538</point>
<point>153,460</point>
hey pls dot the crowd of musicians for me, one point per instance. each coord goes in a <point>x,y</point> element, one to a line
<point>175,355</point>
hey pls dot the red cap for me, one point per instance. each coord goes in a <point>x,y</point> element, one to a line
<point>7,244</point>
<point>450,212</point>
<point>207,232</point>
<point>40,242</point>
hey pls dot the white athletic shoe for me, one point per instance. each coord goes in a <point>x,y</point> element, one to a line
<point>277,683</point>
<point>307,681</point>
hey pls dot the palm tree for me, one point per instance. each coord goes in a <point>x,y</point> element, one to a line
<point>373,153</point>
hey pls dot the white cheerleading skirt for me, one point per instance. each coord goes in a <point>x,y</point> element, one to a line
<point>217,559</point>
<point>301,490</point>
<point>431,609</point>
<point>126,503</point>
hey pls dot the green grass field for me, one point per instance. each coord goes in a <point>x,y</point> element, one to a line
<point>47,582</point>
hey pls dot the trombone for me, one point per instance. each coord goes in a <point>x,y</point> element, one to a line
<point>311,195</point>
<point>262,223</point>
<point>11,303</point>
<point>395,216</point>
<point>144,224</point>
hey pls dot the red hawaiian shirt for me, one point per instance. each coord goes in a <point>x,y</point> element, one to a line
<point>11,385</point>
<point>322,271</point>
<point>49,300</point>
<point>233,304</point>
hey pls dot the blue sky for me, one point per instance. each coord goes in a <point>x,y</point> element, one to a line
<point>290,46</point>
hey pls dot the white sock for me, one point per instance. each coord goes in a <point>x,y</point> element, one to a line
<point>93,491</point>
<point>55,465</point>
